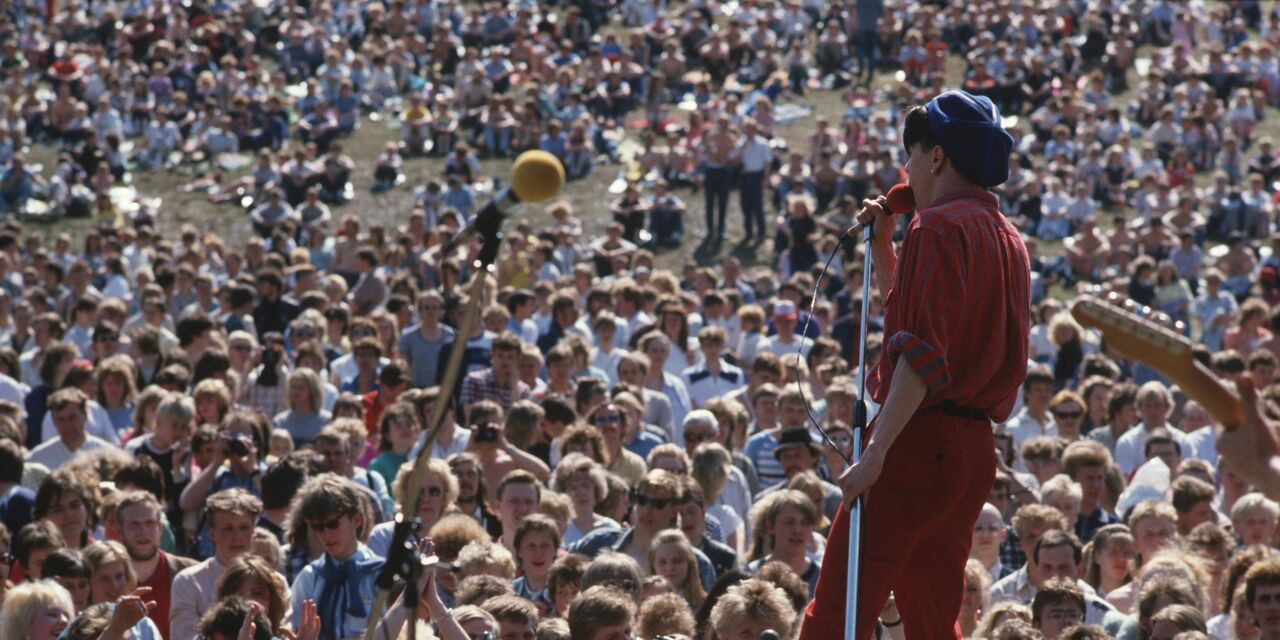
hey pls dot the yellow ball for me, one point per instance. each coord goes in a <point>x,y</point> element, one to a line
<point>537,176</point>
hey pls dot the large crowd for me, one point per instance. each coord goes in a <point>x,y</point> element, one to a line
<point>200,440</point>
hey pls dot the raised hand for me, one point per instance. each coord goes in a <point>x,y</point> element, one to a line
<point>130,610</point>
<point>309,627</point>
<point>1251,451</point>
<point>250,626</point>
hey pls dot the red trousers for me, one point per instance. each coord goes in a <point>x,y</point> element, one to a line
<point>917,526</point>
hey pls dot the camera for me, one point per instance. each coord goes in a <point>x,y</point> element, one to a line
<point>270,357</point>
<point>487,432</point>
<point>238,444</point>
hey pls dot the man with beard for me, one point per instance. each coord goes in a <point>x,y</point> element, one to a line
<point>140,530</point>
<point>471,492</point>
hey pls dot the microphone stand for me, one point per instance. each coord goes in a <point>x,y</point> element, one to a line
<point>859,428</point>
<point>401,561</point>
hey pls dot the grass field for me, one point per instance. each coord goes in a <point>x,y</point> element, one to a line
<point>589,196</point>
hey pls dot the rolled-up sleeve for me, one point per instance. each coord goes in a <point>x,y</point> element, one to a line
<point>928,301</point>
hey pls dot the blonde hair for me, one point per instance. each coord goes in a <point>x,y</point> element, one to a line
<point>216,389</point>
<point>103,553</point>
<point>975,573</point>
<point>485,558</point>
<point>1155,390</point>
<point>691,589</point>
<point>1063,487</point>
<point>558,507</point>
<point>176,406</point>
<point>435,467</point>
<point>308,377</point>
<point>1255,501</point>
<point>24,601</point>
<point>998,613</point>
<point>577,465</point>
<point>753,601</point>
<point>669,450</point>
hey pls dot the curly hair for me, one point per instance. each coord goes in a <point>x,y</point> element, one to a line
<point>754,601</point>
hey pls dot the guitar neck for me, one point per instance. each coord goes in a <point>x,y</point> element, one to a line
<point>1203,386</point>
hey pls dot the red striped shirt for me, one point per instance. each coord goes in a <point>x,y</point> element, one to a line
<point>959,308</point>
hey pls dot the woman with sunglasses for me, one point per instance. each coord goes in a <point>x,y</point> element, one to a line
<point>613,423</point>
<point>1068,410</point>
<point>439,496</point>
<point>656,502</point>
<point>835,458</point>
<point>584,482</point>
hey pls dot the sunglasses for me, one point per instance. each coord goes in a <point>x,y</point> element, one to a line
<point>434,492</point>
<point>1070,415</point>
<point>614,419</point>
<point>321,527</point>
<point>694,438</point>
<point>641,500</point>
<point>305,334</point>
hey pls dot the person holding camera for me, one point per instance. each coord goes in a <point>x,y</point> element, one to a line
<point>497,456</point>
<point>236,465</point>
<point>265,388</point>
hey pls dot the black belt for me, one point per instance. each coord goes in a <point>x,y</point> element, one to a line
<point>968,413</point>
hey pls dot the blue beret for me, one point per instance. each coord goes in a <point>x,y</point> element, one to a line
<point>969,130</point>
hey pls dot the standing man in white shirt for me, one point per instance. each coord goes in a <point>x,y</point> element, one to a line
<point>714,377</point>
<point>1154,406</point>
<point>69,408</point>
<point>1034,420</point>
<point>755,158</point>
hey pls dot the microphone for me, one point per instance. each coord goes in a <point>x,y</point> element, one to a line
<point>900,199</point>
<point>536,176</point>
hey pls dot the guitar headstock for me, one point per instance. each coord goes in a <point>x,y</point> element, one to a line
<point>1136,334</point>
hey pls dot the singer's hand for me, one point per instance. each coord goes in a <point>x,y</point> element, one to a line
<point>875,213</point>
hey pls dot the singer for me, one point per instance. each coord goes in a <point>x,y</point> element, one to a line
<point>955,352</point>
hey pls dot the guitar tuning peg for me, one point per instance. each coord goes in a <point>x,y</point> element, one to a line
<point>1180,327</point>
<point>1144,311</point>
